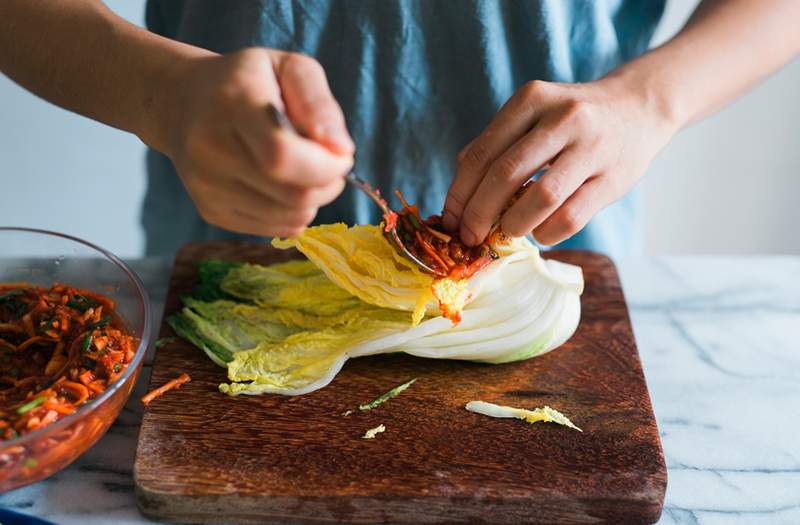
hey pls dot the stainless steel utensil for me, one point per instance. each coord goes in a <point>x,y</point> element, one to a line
<point>281,121</point>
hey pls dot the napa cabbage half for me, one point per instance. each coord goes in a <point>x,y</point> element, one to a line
<point>288,328</point>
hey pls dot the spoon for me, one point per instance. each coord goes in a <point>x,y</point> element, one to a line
<point>282,122</point>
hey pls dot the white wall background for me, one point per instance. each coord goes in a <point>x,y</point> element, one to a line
<point>730,184</point>
<point>72,165</point>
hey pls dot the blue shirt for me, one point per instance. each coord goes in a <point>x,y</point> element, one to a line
<point>417,80</point>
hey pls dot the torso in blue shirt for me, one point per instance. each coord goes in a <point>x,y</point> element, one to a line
<point>417,80</point>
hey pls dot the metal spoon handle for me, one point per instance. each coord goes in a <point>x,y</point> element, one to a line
<point>367,188</point>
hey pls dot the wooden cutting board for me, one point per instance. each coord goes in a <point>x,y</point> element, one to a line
<point>204,457</point>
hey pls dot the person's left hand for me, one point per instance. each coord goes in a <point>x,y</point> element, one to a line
<point>595,139</point>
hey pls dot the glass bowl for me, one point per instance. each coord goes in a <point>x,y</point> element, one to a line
<point>42,258</point>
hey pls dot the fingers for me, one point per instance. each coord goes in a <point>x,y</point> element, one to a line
<point>293,160</point>
<point>575,213</point>
<point>297,197</point>
<point>513,120</point>
<point>310,104</point>
<point>273,221</point>
<point>505,176</point>
<point>245,174</point>
<point>547,194</point>
<point>229,193</point>
<point>287,158</point>
<point>281,155</point>
<point>252,213</point>
<point>252,186</point>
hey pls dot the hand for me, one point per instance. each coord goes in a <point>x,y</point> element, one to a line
<point>595,139</point>
<point>243,173</point>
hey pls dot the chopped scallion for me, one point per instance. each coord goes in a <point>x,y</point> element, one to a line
<point>99,324</point>
<point>86,343</point>
<point>387,396</point>
<point>33,403</point>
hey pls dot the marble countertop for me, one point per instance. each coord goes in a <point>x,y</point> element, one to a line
<point>720,343</point>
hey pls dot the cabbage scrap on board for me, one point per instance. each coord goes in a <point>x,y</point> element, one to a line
<point>371,433</point>
<point>288,328</point>
<point>544,415</point>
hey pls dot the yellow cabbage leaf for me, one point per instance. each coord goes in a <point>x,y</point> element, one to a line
<point>360,260</point>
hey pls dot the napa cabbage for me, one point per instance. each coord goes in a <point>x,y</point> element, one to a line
<point>288,328</point>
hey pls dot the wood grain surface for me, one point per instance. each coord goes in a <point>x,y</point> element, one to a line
<point>204,457</point>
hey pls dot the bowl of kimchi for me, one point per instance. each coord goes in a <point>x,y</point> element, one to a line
<point>75,323</point>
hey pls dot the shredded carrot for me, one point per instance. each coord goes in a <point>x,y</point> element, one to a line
<point>431,251</point>
<point>458,272</point>
<point>33,340</point>
<point>86,377</point>
<point>98,386</point>
<point>442,252</point>
<point>55,364</point>
<point>439,235</point>
<point>47,353</point>
<point>27,323</point>
<point>403,200</point>
<point>59,406</point>
<point>157,392</point>
<point>49,417</point>
<point>478,264</point>
<point>389,221</point>
<point>79,391</point>
<point>10,327</point>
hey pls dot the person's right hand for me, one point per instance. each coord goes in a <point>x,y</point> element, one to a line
<point>243,173</point>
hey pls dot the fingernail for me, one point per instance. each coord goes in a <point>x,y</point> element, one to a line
<point>467,237</point>
<point>449,220</point>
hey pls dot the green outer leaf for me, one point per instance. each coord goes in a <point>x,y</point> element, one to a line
<point>238,326</point>
<point>387,396</point>
<point>525,352</point>
<point>185,327</point>
<point>211,273</point>
<point>33,403</point>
